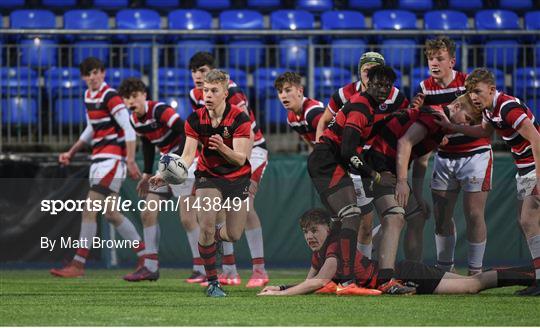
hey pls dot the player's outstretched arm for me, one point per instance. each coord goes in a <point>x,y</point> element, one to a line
<point>323,123</point>
<point>309,285</point>
<point>483,130</point>
<point>84,139</point>
<point>414,135</point>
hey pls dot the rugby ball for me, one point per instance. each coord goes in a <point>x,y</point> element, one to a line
<point>172,169</point>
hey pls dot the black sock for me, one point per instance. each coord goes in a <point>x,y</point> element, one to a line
<point>384,275</point>
<point>347,243</point>
<point>523,276</point>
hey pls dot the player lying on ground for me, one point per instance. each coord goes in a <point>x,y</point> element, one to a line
<point>200,64</point>
<point>223,170</point>
<point>518,127</point>
<point>158,125</point>
<point>340,151</point>
<point>396,100</point>
<point>398,139</point>
<point>322,236</point>
<point>112,140</point>
<point>462,163</point>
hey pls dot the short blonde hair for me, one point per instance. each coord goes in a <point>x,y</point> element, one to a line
<point>440,43</point>
<point>466,103</point>
<point>217,76</point>
<point>477,76</point>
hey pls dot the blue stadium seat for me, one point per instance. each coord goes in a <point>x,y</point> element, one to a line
<point>174,81</point>
<point>501,53</point>
<point>293,53</point>
<point>239,76</point>
<point>59,3</point>
<point>21,81</point>
<point>192,19</point>
<point>465,5</point>
<point>243,50</point>
<point>445,20</point>
<point>394,20</point>
<point>19,110</point>
<point>163,3</point>
<point>496,20</point>
<point>527,82</point>
<point>366,4</point>
<point>264,79</point>
<point>241,20</point>
<point>399,79</point>
<point>418,74</point>
<point>214,4</point>
<point>185,49</point>
<point>180,103</point>
<point>537,51</point>
<point>138,53</point>
<point>532,20</point>
<point>291,20</point>
<point>88,48</point>
<point>70,110</point>
<point>273,111</point>
<point>245,53</point>
<point>64,82</point>
<point>534,106</point>
<point>415,5</point>
<point>32,18</point>
<point>314,5</point>
<point>263,4</point>
<point>399,53</point>
<point>342,20</point>
<point>328,80</point>
<point>111,4</point>
<point>86,19</point>
<point>516,4</point>
<point>115,76</point>
<point>38,52</point>
<point>88,45</point>
<point>11,3</point>
<point>346,52</point>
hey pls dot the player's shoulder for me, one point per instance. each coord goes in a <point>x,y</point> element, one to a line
<point>310,104</point>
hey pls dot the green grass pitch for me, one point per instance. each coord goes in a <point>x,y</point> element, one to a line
<point>33,297</point>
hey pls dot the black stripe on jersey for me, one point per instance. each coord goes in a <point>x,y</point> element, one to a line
<point>459,140</point>
<point>505,110</point>
<point>105,142</point>
<point>313,113</point>
<point>337,99</point>
<point>158,112</point>
<point>105,125</point>
<point>526,154</point>
<point>239,120</point>
<point>444,98</point>
<point>358,107</point>
<point>224,167</point>
<point>194,122</point>
<point>233,91</point>
<point>516,141</point>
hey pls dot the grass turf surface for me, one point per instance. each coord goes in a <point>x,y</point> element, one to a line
<point>33,297</point>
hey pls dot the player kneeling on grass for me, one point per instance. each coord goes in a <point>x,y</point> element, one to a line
<point>158,125</point>
<point>322,237</point>
<point>223,170</point>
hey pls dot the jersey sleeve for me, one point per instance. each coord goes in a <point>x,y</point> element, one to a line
<point>193,100</point>
<point>242,126</point>
<point>315,261</point>
<point>191,126</point>
<point>166,115</point>
<point>513,114</point>
<point>335,102</point>
<point>332,250</point>
<point>313,117</point>
<point>237,97</point>
<point>427,119</point>
<point>357,118</point>
<point>114,102</point>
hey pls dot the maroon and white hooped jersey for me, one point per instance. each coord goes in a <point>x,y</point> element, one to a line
<point>156,126</point>
<point>305,124</point>
<point>238,98</point>
<point>507,115</point>
<point>108,137</point>
<point>458,144</point>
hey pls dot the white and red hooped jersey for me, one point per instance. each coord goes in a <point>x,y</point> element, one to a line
<point>156,125</point>
<point>238,98</point>
<point>458,144</point>
<point>396,100</point>
<point>507,115</point>
<point>305,124</point>
<point>108,137</point>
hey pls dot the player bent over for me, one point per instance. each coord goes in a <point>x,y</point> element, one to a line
<point>340,150</point>
<point>518,127</point>
<point>112,140</point>
<point>223,170</point>
<point>159,126</point>
<point>322,238</point>
<point>400,138</point>
<point>200,64</point>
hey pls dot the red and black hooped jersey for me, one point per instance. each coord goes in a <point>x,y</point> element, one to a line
<point>365,270</point>
<point>458,144</point>
<point>507,115</point>
<point>156,126</point>
<point>396,100</point>
<point>236,97</point>
<point>235,124</point>
<point>387,132</point>
<point>358,115</point>
<point>108,138</point>
<point>306,123</point>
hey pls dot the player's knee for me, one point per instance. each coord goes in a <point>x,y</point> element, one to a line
<point>393,220</point>
<point>233,236</point>
<point>147,218</point>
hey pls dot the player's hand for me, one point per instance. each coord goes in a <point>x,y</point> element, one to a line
<point>271,293</point>
<point>133,170</point>
<point>387,179</point>
<point>270,288</point>
<point>402,193</point>
<point>443,121</point>
<point>157,181</point>
<point>444,141</point>
<point>64,158</point>
<point>143,185</point>
<point>215,142</point>
<point>418,100</point>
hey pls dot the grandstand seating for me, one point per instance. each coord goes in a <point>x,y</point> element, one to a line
<point>192,19</point>
<point>239,77</point>
<point>32,18</point>
<point>445,20</point>
<point>499,52</point>
<point>465,5</point>
<point>527,82</point>
<point>292,20</point>
<point>264,79</point>
<point>11,3</point>
<point>244,50</point>
<point>342,20</point>
<point>88,45</point>
<point>186,48</point>
<point>366,4</point>
<point>22,81</point>
<point>174,81</point>
<point>264,4</point>
<point>398,52</point>
<point>138,53</point>
<point>163,3</point>
<point>416,5</point>
<point>293,53</point>
<point>344,52</point>
<point>59,3</point>
<point>532,20</point>
<point>328,80</point>
<point>314,5</point>
<point>516,4</point>
<point>213,4</point>
<point>64,82</point>
<point>114,76</point>
<point>70,110</point>
<point>111,4</point>
<point>19,110</point>
<point>274,111</point>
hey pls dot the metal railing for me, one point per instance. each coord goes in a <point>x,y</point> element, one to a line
<point>42,109</point>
